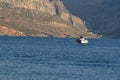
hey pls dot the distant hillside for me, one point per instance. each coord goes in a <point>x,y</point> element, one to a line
<point>39,18</point>
<point>101,16</point>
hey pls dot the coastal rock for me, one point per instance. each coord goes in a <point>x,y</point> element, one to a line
<point>9,32</point>
<point>41,18</point>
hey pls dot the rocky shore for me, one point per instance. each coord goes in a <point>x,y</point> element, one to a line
<point>40,18</point>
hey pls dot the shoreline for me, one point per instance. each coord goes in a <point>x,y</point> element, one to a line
<point>50,37</point>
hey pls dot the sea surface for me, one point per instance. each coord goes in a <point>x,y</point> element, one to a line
<point>45,58</point>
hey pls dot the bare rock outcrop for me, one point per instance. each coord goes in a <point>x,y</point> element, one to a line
<point>41,18</point>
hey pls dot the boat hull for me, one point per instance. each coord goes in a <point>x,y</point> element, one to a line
<point>82,41</point>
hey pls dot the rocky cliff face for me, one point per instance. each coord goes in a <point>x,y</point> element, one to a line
<point>41,18</point>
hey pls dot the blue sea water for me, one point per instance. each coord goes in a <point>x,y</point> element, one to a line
<point>45,58</point>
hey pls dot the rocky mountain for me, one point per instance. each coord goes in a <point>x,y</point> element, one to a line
<point>101,16</point>
<point>39,18</point>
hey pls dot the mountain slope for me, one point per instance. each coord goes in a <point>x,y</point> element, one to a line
<point>40,18</point>
<point>101,16</point>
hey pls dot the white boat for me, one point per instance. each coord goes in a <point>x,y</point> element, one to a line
<point>82,40</point>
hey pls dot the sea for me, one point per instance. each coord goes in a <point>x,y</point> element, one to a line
<point>53,58</point>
